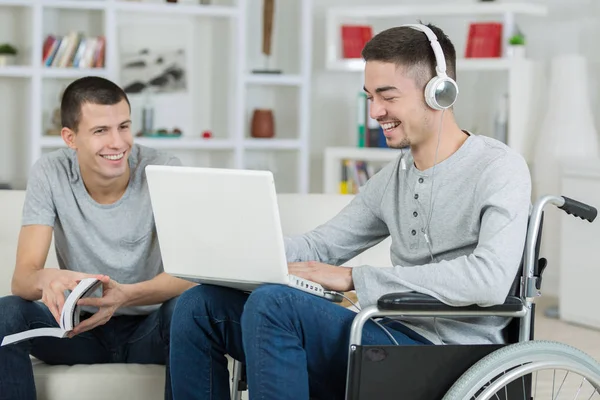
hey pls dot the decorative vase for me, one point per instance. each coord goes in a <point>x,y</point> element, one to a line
<point>7,60</point>
<point>515,51</point>
<point>263,124</point>
<point>567,132</point>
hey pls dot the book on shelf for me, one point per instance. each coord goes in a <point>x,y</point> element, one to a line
<point>355,174</point>
<point>484,40</point>
<point>74,50</point>
<point>370,132</point>
<point>69,317</point>
<point>354,39</point>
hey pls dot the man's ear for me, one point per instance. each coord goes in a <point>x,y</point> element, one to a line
<point>69,137</point>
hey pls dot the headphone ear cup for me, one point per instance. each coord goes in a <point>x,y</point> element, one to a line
<point>441,92</point>
<point>430,93</point>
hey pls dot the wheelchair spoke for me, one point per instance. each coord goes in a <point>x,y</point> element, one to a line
<point>561,385</point>
<point>579,389</point>
<point>535,387</point>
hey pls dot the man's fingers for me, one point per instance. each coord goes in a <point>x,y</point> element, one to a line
<point>54,310</point>
<point>92,302</point>
<point>88,324</point>
<point>59,300</point>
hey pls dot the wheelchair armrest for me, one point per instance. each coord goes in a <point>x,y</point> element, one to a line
<point>414,301</point>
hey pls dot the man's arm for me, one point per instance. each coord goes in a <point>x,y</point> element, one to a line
<point>356,228</point>
<point>155,291</point>
<point>483,277</point>
<point>32,251</point>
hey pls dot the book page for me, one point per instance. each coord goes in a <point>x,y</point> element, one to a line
<point>33,333</point>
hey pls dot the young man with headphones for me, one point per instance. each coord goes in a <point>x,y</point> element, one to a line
<point>455,204</point>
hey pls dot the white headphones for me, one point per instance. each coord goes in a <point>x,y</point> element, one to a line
<point>441,91</point>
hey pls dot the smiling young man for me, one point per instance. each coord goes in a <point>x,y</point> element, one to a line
<point>93,196</point>
<point>455,205</point>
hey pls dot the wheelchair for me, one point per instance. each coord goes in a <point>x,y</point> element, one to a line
<point>483,371</point>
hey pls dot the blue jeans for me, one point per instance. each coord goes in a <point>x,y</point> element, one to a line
<point>294,344</point>
<point>123,339</point>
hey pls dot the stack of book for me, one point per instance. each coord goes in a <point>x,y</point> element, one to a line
<point>74,51</point>
<point>355,174</point>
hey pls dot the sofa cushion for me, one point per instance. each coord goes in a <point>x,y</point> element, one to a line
<point>99,381</point>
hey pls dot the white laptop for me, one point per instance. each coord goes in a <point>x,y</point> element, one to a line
<point>221,227</point>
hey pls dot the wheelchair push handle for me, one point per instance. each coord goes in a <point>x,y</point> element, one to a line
<point>579,209</point>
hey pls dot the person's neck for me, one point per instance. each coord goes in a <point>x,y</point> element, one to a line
<point>105,191</point>
<point>451,139</point>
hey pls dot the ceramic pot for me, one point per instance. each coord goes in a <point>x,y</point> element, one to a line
<point>7,60</point>
<point>263,124</point>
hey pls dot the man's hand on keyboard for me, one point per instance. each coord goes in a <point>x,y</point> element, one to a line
<point>329,276</point>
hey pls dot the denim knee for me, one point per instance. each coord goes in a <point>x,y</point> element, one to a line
<point>269,300</point>
<point>198,300</point>
<point>12,319</point>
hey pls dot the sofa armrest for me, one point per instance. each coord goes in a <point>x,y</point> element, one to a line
<point>414,301</point>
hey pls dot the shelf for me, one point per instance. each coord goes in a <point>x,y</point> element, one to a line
<point>16,3</point>
<point>276,79</point>
<point>439,9</point>
<point>463,64</point>
<point>362,153</point>
<point>16,72</point>
<point>73,4</point>
<point>72,73</point>
<point>186,143</point>
<point>272,144</point>
<point>166,143</point>
<point>175,8</point>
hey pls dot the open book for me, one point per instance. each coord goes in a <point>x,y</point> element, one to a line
<point>69,317</point>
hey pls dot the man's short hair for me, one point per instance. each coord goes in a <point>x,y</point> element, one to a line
<point>410,48</point>
<point>91,89</point>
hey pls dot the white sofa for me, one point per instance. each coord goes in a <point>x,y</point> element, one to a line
<point>299,213</point>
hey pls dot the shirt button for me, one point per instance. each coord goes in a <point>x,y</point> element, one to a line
<point>420,180</point>
<point>415,214</point>
<point>416,196</point>
<point>413,232</point>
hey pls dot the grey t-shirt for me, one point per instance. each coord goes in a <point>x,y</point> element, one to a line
<point>118,240</point>
<point>477,229</point>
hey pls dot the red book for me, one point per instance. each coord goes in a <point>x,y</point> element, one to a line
<point>354,39</point>
<point>484,40</point>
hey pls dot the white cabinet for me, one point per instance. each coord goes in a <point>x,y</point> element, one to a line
<point>579,281</point>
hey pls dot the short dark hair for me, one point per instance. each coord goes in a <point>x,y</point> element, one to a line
<point>90,89</point>
<point>408,47</point>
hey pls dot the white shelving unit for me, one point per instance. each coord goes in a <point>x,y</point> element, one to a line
<point>520,72</point>
<point>336,16</point>
<point>221,94</point>
<point>334,156</point>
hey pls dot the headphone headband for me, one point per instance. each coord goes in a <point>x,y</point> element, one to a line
<point>435,45</point>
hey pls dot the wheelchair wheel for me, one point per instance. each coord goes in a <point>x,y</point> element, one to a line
<point>543,369</point>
